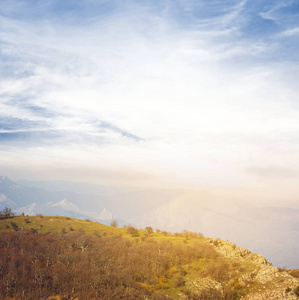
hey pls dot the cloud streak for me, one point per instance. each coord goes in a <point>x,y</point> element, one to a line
<point>191,91</point>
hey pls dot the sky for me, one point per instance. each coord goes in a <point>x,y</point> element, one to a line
<point>193,93</point>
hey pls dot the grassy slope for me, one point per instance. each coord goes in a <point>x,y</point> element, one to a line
<point>197,272</point>
<point>56,224</point>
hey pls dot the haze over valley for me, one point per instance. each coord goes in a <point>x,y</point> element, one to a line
<point>267,230</point>
<point>171,114</point>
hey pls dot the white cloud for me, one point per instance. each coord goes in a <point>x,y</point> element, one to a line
<point>290,32</point>
<point>273,13</point>
<point>203,110</point>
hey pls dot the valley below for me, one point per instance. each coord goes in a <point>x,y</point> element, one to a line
<point>269,230</point>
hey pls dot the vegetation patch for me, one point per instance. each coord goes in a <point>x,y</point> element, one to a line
<point>65,258</point>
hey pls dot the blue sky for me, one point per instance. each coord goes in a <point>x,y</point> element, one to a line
<point>146,93</point>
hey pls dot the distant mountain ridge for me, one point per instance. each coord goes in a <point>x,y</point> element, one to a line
<point>270,231</point>
<point>32,201</point>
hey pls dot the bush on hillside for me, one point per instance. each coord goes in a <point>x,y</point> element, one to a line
<point>6,213</point>
<point>113,223</point>
<point>77,265</point>
<point>132,230</point>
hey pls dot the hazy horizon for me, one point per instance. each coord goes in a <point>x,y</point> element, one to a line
<point>188,94</point>
<point>267,228</point>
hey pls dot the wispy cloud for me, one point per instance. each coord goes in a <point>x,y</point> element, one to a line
<point>290,32</point>
<point>191,90</point>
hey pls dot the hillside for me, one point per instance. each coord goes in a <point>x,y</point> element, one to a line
<point>270,231</point>
<point>65,258</point>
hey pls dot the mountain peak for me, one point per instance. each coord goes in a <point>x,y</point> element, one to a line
<point>66,204</point>
<point>8,183</point>
<point>30,209</point>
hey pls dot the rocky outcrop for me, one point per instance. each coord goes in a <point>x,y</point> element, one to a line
<point>269,274</point>
<point>229,249</point>
<point>276,294</point>
<point>264,281</point>
<point>203,283</point>
<point>278,284</point>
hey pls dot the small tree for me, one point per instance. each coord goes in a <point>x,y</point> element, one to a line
<point>149,230</point>
<point>132,230</point>
<point>6,213</point>
<point>82,242</point>
<point>113,223</point>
